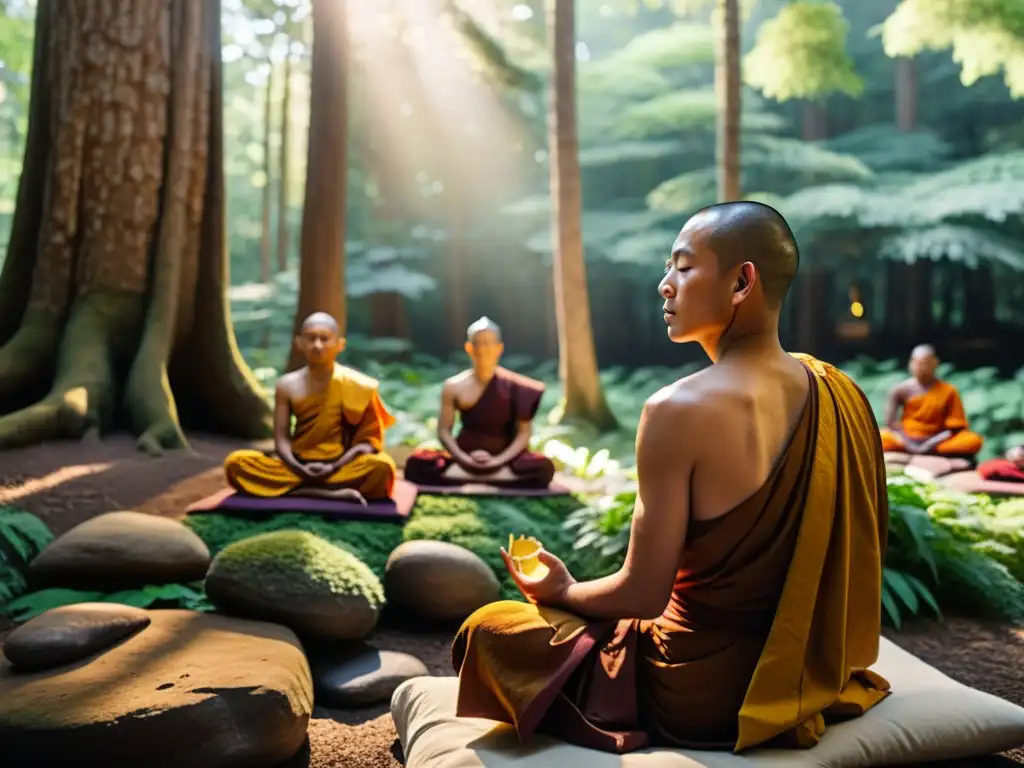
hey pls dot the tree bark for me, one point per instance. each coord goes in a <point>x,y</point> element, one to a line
<point>267,197</point>
<point>284,166</point>
<point>815,121</point>
<point>728,89</point>
<point>118,267</point>
<point>906,94</point>
<point>577,358</point>
<point>322,268</point>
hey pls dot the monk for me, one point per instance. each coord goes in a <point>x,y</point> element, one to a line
<point>337,447</point>
<point>748,607</point>
<point>496,408</point>
<point>933,419</point>
<point>1006,470</point>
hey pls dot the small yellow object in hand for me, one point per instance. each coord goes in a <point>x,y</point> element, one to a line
<point>524,553</point>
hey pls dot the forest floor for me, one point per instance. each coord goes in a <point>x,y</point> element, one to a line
<point>67,483</point>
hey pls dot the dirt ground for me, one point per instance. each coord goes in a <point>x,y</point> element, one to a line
<point>67,483</point>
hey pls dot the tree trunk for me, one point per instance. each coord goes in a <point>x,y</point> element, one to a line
<point>284,166</point>
<point>322,267</point>
<point>118,270</point>
<point>906,94</point>
<point>727,87</point>
<point>268,116</point>
<point>581,383</point>
<point>815,121</point>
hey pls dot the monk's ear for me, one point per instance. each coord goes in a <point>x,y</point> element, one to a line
<point>342,343</point>
<point>469,348</point>
<point>745,281</point>
<point>300,343</point>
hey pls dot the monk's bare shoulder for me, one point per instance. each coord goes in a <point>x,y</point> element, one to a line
<point>901,390</point>
<point>289,385</point>
<point>458,383</point>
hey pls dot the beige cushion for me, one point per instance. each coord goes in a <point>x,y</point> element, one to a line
<point>928,717</point>
<point>972,482</point>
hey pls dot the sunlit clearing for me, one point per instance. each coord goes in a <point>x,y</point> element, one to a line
<point>50,481</point>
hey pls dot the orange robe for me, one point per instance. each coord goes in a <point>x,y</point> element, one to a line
<point>774,617</point>
<point>349,411</point>
<point>929,413</point>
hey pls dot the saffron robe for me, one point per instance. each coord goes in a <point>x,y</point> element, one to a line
<point>491,425</point>
<point>349,411</point>
<point>774,617</point>
<point>1001,470</point>
<point>929,413</point>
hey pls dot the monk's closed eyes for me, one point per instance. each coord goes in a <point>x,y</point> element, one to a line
<point>748,608</point>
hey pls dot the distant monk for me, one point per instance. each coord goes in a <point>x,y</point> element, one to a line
<point>1006,470</point>
<point>336,449</point>
<point>496,408</point>
<point>748,607</point>
<point>933,419</point>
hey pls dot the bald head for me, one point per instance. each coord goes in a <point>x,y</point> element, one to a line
<point>320,320</point>
<point>922,351</point>
<point>923,363</point>
<point>743,231</point>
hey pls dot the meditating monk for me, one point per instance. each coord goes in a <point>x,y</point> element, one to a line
<point>1006,470</point>
<point>337,447</point>
<point>933,419</point>
<point>496,408</point>
<point>748,607</point>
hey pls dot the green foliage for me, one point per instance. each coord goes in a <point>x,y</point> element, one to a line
<point>884,148</point>
<point>188,596</point>
<point>22,537</point>
<point>985,36</point>
<point>801,54</point>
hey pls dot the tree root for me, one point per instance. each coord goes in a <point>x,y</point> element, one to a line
<point>149,403</point>
<point>100,334</point>
<point>26,361</point>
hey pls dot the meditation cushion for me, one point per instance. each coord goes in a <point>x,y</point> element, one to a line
<point>972,482</point>
<point>928,717</point>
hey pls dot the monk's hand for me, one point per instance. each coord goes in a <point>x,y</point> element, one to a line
<point>316,470</point>
<point>549,587</point>
<point>480,458</point>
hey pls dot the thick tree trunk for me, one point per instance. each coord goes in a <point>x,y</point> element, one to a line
<point>322,269</point>
<point>117,261</point>
<point>581,383</point>
<point>284,166</point>
<point>728,89</point>
<point>267,197</point>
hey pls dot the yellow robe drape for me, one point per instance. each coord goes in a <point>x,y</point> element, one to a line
<point>349,411</point>
<point>775,616</point>
<point>931,412</point>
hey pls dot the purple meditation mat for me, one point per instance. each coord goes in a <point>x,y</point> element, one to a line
<point>972,482</point>
<point>485,489</point>
<point>230,502</point>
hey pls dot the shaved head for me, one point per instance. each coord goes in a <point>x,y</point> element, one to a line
<point>923,363</point>
<point>922,351</point>
<point>743,231</point>
<point>320,320</point>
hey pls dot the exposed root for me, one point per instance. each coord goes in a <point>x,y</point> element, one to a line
<point>26,361</point>
<point>100,333</point>
<point>149,403</point>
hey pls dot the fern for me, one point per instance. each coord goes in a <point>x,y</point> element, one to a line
<point>22,537</point>
<point>187,596</point>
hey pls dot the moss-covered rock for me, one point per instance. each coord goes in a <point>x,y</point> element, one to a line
<point>297,579</point>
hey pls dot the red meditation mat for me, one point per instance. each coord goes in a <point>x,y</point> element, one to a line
<point>230,502</point>
<point>484,489</point>
<point>972,482</point>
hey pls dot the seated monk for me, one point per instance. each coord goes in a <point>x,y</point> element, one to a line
<point>748,607</point>
<point>933,419</point>
<point>1006,470</point>
<point>336,448</point>
<point>496,408</point>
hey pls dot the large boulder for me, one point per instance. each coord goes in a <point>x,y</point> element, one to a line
<point>438,580</point>
<point>71,633</point>
<point>361,676</point>
<point>300,580</point>
<point>191,689</point>
<point>121,550</point>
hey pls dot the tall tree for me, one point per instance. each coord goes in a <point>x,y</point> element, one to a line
<point>322,267</point>
<point>577,357</point>
<point>113,296</point>
<point>267,196</point>
<point>284,162</point>
<point>728,91</point>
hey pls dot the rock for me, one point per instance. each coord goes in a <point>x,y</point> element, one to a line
<point>438,580</point>
<point>193,689</point>
<point>299,580</point>
<point>70,633</point>
<point>122,550</point>
<point>361,677</point>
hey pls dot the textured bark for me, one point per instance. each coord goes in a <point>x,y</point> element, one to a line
<point>577,358</point>
<point>267,197</point>
<point>284,167</point>
<point>322,266</point>
<point>728,89</point>
<point>115,185</point>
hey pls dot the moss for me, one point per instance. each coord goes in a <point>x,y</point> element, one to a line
<point>297,561</point>
<point>479,524</point>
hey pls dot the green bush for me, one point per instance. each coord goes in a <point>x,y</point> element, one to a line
<point>22,537</point>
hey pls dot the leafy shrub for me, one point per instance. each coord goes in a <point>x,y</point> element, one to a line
<point>22,537</point>
<point>188,596</point>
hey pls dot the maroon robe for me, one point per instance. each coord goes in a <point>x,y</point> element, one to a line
<point>1001,470</point>
<point>491,425</point>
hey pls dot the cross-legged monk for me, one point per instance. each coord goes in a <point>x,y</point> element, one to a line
<point>336,449</point>
<point>496,408</point>
<point>749,604</point>
<point>932,419</point>
<point>1006,470</point>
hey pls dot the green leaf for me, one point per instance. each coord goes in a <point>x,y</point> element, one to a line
<point>35,603</point>
<point>891,609</point>
<point>899,585</point>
